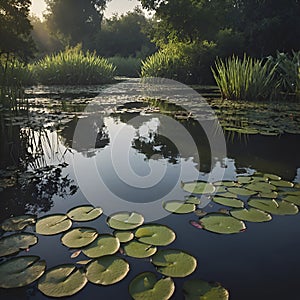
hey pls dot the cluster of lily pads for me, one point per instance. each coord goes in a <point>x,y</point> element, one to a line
<point>249,198</point>
<point>104,264</point>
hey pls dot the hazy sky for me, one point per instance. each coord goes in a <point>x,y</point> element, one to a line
<point>114,6</point>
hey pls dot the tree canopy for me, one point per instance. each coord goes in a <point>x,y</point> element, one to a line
<point>15,28</point>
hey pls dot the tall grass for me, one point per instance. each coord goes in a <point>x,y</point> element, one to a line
<point>73,67</point>
<point>126,66</point>
<point>246,79</point>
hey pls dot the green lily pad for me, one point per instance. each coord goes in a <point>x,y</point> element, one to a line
<point>244,179</point>
<point>274,207</point>
<point>125,220</point>
<point>124,236</point>
<point>79,237</point>
<point>53,224</point>
<point>292,199</point>
<point>272,177</point>
<point>221,223</point>
<point>270,195</point>
<point>21,271</point>
<point>259,178</point>
<point>174,263</point>
<point>105,244</point>
<point>192,200</point>
<point>220,189</point>
<point>62,281</point>
<point>231,202</point>
<point>196,289</point>
<point>16,242</point>
<point>251,215</point>
<point>241,191</point>
<point>263,187</point>
<point>282,183</point>
<point>179,207</point>
<point>139,250</point>
<point>145,286</point>
<point>293,192</point>
<point>156,235</point>
<point>198,187</point>
<point>107,270</point>
<point>84,213</point>
<point>18,223</point>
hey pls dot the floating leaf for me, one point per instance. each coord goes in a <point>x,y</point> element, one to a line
<point>156,235</point>
<point>198,187</point>
<point>293,192</point>
<point>105,244</point>
<point>200,212</point>
<point>272,177</point>
<point>221,223</point>
<point>124,236</point>
<point>229,183</point>
<point>18,223</point>
<point>76,254</point>
<point>251,215</point>
<point>107,270</point>
<point>174,263</point>
<point>221,189</point>
<point>125,220</point>
<point>241,191</point>
<point>269,195</point>
<point>139,250</point>
<point>62,281</point>
<point>16,242</point>
<point>228,195</point>
<point>21,271</point>
<point>244,179</point>
<point>263,187</point>
<point>282,183</point>
<point>83,262</point>
<point>179,207</point>
<point>84,213</point>
<point>79,237</point>
<point>292,199</point>
<point>145,286</point>
<point>273,206</point>
<point>195,289</point>
<point>53,224</point>
<point>192,200</point>
<point>229,202</point>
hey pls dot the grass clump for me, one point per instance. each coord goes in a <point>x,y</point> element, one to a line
<point>73,67</point>
<point>126,66</point>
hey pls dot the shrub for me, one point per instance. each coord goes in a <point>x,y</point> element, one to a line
<point>126,66</point>
<point>73,67</point>
<point>245,79</point>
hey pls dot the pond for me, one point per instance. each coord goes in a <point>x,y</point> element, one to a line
<point>121,149</point>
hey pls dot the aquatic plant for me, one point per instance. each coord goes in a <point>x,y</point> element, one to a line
<point>126,66</point>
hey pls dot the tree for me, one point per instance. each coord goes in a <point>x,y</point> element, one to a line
<point>15,28</point>
<point>75,21</point>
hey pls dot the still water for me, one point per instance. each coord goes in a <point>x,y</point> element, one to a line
<point>45,170</point>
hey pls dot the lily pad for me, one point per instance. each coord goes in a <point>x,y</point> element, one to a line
<point>270,195</point>
<point>292,199</point>
<point>241,191</point>
<point>221,223</point>
<point>263,187</point>
<point>231,202</point>
<point>192,200</point>
<point>18,223</point>
<point>195,289</point>
<point>124,236</point>
<point>125,220</point>
<point>53,224</point>
<point>16,242</point>
<point>272,177</point>
<point>84,213</point>
<point>198,187</point>
<point>107,270</point>
<point>251,215</point>
<point>244,179</point>
<point>156,235</point>
<point>274,207</point>
<point>79,237</point>
<point>145,286</point>
<point>282,183</point>
<point>105,244</point>
<point>220,189</point>
<point>228,195</point>
<point>62,281</point>
<point>179,207</point>
<point>139,250</point>
<point>21,271</point>
<point>174,263</point>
